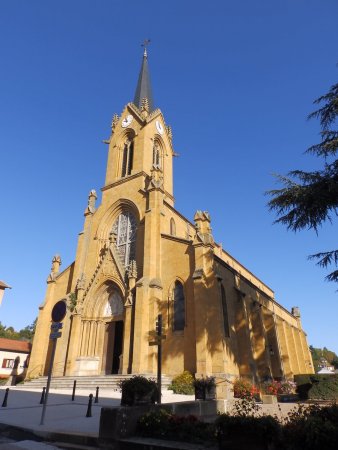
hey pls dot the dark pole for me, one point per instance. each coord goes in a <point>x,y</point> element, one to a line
<point>97,395</point>
<point>74,387</point>
<point>4,403</point>
<point>42,399</point>
<point>48,380</point>
<point>159,357</point>
<point>89,409</point>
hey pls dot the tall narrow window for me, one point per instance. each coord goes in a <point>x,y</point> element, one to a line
<point>172,227</point>
<point>127,158</point>
<point>179,307</point>
<point>157,155</point>
<point>225,313</point>
<point>125,230</point>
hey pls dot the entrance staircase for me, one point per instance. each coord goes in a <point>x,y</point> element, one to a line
<point>110,382</point>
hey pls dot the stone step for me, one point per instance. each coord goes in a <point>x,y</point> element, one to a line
<point>84,382</point>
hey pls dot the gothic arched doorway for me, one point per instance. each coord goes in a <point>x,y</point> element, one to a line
<point>113,341</point>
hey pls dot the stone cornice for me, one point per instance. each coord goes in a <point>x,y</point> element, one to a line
<point>124,180</point>
<point>175,238</point>
<point>132,177</point>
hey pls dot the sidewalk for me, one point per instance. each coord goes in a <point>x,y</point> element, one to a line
<point>65,418</point>
<point>62,415</point>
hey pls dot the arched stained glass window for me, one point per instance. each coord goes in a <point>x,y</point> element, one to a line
<point>225,313</point>
<point>157,155</point>
<point>179,307</point>
<point>127,159</point>
<point>125,230</point>
<point>172,227</point>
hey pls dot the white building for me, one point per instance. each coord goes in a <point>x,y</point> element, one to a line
<point>14,356</point>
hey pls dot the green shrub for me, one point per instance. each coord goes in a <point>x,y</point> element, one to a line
<point>136,389</point>
<point>312,428</point>
<point>183,384</point>
<point>262,429</point>
<point>323,387</point>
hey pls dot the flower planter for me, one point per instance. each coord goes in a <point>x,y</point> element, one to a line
<point>137,399</point>
<point>285,398</point>
<point>200,393</point>
<point>205,388</point>
<point>210,393</point>
<point>138,390</point>
<point>205,393</point>
<point>269,399</point>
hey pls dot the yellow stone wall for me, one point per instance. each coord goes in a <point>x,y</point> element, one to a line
<point>264,339</point>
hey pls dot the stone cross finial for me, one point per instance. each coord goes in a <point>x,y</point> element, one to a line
<point>170,132</point>
<point>81,282</point>
<point>145,107</point>
<point>56,263</point>
<point>132,270</point>
<point>114,122</point>
<point>92,197</point>
<point>203,228</point>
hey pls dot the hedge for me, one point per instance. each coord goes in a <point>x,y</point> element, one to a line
<point>320,387</point>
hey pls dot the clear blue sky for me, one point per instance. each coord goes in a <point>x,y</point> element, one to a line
<point>235,79</point>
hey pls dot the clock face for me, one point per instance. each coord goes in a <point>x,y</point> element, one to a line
<point>159,126</point>
<point>127,121</point>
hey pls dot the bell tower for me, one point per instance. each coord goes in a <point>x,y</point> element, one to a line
<point>141,143</point>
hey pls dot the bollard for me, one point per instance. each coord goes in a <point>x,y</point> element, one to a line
<point>97,395</point>
<point>89,409</point>
<point>42,399</point>
<point>4,403</point>
<point>74,387</point>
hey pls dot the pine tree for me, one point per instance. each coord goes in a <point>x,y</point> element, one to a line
<point>308,199</point>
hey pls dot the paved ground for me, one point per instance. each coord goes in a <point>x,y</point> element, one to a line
<point>66,417</point>
<point>62,415</point>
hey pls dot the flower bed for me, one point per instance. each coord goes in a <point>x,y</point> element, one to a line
<point>305,428</point>
<point>245,389</point>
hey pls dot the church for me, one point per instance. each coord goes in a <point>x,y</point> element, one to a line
<point>138,257</point>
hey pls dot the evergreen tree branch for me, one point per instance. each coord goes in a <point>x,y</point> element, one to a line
<point>308,199</point>
<point>328,146</point>
<point>328,113</point>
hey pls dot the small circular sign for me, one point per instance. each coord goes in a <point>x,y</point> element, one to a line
<point>59,311</point>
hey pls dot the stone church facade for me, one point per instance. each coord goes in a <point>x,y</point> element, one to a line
<point>138,257</point>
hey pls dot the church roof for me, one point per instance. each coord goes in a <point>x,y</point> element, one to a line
<point>143,89</point>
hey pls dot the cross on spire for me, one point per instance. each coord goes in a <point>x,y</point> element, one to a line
<point>146,42</point>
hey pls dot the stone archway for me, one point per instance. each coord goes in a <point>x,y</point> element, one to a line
<point>102,332</point>
<point>113,314</point>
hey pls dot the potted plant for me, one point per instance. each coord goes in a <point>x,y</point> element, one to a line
<point>245,389</point>
<point>286,391</point>
<point>205,388</point>
<point>270,390</point>
<point>138,390</point>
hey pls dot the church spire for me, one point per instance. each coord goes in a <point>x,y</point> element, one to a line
<point>143,89</point>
